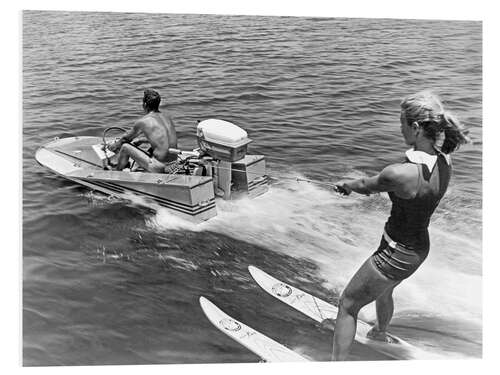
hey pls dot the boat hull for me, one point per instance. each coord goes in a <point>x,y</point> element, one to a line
<point>79,160</point>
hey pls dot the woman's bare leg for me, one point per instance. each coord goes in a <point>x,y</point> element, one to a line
<point>343,335</point>
<point>366,285</point>
<point>385,310</point>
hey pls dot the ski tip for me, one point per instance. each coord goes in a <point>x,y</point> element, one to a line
<point>204,302</point>
<point>254,271</point>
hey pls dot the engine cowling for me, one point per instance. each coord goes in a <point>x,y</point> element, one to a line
<point>222,140</point>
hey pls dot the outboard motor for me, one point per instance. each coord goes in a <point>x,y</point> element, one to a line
<point>234,170</point>
<point>222,140</point>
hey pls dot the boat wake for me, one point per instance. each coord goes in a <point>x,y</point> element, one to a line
<point>338,233</point>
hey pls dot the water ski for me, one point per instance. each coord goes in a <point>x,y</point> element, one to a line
<point>266,348</point>
<point>325,314</point>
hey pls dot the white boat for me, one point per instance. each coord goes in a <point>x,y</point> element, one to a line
<point>219,168</point>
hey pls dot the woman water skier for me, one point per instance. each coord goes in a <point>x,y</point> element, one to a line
<point>415,188</point>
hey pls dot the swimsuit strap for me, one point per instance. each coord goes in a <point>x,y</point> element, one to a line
<point>420,176</point>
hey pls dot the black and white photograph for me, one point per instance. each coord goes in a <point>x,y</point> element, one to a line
<point>240,188</point>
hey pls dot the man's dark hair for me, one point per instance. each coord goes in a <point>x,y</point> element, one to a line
<point>151,99</point>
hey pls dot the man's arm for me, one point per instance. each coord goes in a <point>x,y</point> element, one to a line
<point>392,178</point>
<point>127,137</point>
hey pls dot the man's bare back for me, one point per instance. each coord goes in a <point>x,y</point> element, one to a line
<point>160,132</point>
<point>155,128</point>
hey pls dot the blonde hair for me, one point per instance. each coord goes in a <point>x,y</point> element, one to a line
<point>426,109</point>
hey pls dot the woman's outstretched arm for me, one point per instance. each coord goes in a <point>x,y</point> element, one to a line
<point>395,177</point>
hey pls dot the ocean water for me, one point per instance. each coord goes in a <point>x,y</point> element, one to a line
<point>111,282</point>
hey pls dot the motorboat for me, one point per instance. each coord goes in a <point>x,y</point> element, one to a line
<point>219,168</point>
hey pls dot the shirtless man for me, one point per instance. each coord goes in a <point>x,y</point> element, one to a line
<point>154,127</point>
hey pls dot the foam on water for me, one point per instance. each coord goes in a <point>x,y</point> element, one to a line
<point>338,234</point>
<point>326,111</point>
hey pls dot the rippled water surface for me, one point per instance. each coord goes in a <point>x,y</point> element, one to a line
<point>110,282</point>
